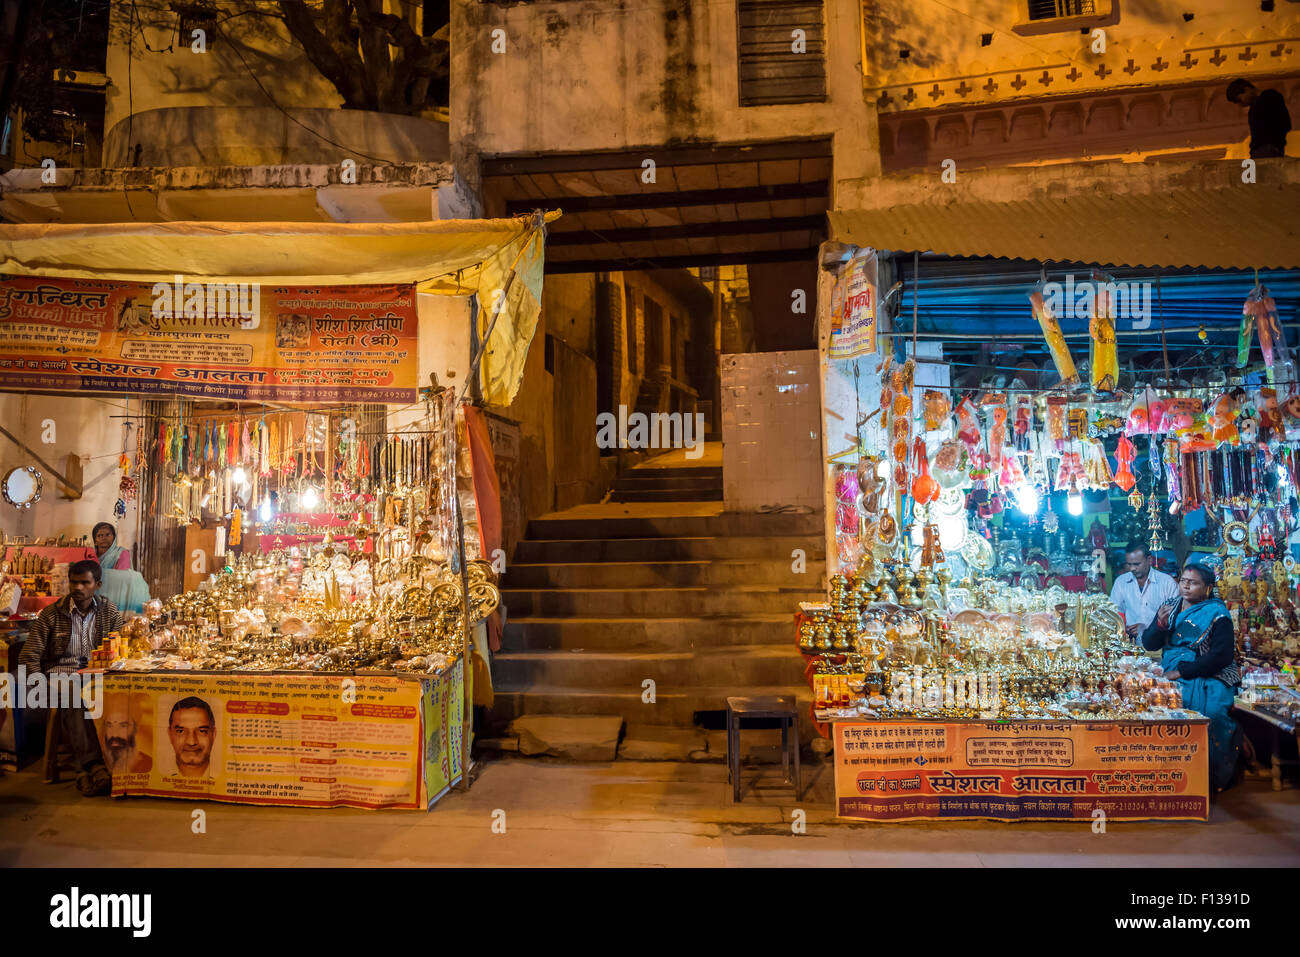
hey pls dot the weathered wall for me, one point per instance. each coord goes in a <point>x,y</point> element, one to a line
<point>82,427</point>
<point>218,77</point>
<point>268,75</point>
<point>948,42</point>
<point>619,74</point>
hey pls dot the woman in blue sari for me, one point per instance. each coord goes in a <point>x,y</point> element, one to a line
<point>124,587</point>
<point>1195,632</point>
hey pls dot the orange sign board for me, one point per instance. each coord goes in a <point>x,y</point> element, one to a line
<point>1021,771</point>
<point>213,340</point>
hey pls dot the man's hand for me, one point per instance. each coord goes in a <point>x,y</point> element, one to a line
<point>1162,616</point>
<point>1134,630</point>
<point>1172,675</point>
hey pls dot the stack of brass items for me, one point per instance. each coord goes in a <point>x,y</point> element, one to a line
<point>322,612</point>
<point>981,650</point>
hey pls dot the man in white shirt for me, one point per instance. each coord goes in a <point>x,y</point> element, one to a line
<point>1141,590</point>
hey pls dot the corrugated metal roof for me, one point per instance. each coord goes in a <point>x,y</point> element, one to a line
<point>1125,214</point>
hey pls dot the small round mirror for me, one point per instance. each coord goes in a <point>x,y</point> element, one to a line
<point>21,486</point>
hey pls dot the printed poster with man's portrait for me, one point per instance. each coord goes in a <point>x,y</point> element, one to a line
<point>299,740</point>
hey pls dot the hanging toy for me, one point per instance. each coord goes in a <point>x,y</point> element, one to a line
<point>1044,308</point>
<point>1096,467</point>
<point>1248,425</point>
<point>1260,312</point>
<point>901,420</point>
<point>937,408</point>
<point>1102,353</point>
<point>924,488</point>
<point>1077,423</point>
<point>1057,406</point>
<point>1270,415</point>
<point>1024,420</point>
<point>1199,437</point>
<point>968,425</point>
<point>1125,452</point>
<point>996,405</point>
<point>1224,420</point>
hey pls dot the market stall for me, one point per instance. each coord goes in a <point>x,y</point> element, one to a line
<point>320,508</point>
<point>968,661</point>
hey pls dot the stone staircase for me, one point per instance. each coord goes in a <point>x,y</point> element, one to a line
<point>698,601</point>
<point>698,484</point>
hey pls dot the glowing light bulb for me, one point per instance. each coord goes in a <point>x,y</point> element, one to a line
<point>240,476</point>
<point>1027,499</point>
<point>309,498</point>
<point>264,512</point>
<point>1282,477</point>
<point>1074,502</point>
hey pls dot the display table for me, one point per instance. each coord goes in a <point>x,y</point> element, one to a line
<point>910,770</point>
<point>369,740</point>
<point>1278,726</point>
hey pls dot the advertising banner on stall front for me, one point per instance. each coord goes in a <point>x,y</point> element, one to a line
<point>299,740</point>
<point>853,308</point>
<point>907,771</point>
<point>210,341</point>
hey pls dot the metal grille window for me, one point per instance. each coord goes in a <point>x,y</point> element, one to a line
<point>782,51</point>
<point>1051,9</point>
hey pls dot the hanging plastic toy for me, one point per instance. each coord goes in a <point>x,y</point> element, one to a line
<point>924,489</point>
<point>1125,452</point>
<point>1047,322</point>
<point>1102,353</point>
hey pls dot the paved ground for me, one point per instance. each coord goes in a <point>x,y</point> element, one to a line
<point>621,814</point>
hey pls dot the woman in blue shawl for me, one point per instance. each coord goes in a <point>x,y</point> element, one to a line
<point>124,587</point>
<point>1195,632</point>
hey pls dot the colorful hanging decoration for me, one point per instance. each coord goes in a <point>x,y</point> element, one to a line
<point>1103,355</point>
<point>1053,336</point>
<point>1125,452</point>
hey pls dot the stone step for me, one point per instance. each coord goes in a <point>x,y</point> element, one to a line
<point>648,634</point>
<point>689,479</point>
<point>658,742</point>
<point>656,602</point>
<point>711,494</point>
<point>677,707</point>
<point>653,742</point>
<point>577,737</point>
<point>658,574</point>
<point>589,550</point>
<point>741,666</point>
<point>674,472</point>
<point>678,526</point>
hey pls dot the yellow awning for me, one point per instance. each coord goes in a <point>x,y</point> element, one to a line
<point>444,257</point>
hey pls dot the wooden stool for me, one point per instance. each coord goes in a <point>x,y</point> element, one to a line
<point>782,708</point>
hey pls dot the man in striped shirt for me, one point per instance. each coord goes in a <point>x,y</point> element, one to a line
<point>61,639</point>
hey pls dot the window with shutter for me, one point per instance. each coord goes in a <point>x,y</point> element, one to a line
<point>782,51</point>
<point>1051,9</point>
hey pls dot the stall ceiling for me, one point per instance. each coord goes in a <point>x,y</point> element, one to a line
<point>981,305</point>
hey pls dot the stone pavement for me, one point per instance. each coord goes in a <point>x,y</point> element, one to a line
<point>622,814</point>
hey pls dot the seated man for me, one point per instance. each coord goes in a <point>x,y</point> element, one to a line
<point>61,639</point>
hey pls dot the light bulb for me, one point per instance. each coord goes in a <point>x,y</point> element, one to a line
<point>1074,502</point>
<point>1027,499</point>
<point>240,476</point>
<point>310,498</point>
<point>1282,477</point>
<point>264,512</point>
